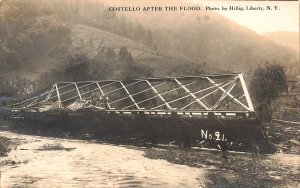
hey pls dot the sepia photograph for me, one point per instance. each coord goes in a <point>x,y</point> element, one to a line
<point>149,93</point>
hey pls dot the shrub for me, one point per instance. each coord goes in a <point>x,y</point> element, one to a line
<point>265,86</point>
<point>54,146</point>
<point>5,146</point>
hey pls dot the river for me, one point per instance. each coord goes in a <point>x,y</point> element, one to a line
<point>89,164</point>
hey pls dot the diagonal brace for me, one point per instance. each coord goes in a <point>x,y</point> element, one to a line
<point>130,96</point>
<point>58,95</point>
<point>159,95</point>
<point>228,94</point>
<point>78,91</point>
<point>191,94</point>
<point>246,92</point>
<point>217,105</point>
<point>101,91</point>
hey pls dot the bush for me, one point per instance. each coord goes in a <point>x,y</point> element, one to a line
<point>5,146</point>
<point>54,146</point>
<point>265,86</point>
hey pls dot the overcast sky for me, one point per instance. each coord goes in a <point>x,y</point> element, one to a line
<point>286,19</point>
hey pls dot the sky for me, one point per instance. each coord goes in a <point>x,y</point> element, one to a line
<point>284,19</point>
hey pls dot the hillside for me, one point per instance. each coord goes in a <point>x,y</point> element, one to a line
<point>90,40</point>
<point>42,36</point>
<point>212,38</point>
<point>285,38</point>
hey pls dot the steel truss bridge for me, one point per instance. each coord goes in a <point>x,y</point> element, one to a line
<point>208,110</point>
<point>220,95</point>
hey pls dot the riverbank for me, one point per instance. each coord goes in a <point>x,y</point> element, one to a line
<point>237,169</point>
<point>51,157</point>
<point>38,161</point>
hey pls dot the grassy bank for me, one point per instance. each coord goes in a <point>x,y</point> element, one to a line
<point>232,170</point>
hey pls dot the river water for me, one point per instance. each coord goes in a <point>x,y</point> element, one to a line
<point>89,164</point>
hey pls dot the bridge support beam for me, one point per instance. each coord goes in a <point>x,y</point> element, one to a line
<point>191,94</point>
<point>78,91</point>
<point>227,93</point>
<point>58,96</point>
<point>130,96</point>
<point>159,95</point>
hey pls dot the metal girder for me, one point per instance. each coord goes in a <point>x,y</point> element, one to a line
<point>174,100</point>
<point>122,87</point>
<point>78,91</point>
<point>250,105</point>
<point>50,93</point>
<point>206,94</point>
<point>130,96</point>
<point>228,94</point>
<point>58,96</point>
<point>100,88</point>
<point>224,95</point>
<point>145,100</point>
<point>156,92</point>
<point>39,97</point>
<point>120,99</point>
<point>191,94</point>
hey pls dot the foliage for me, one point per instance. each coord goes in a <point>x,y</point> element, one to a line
<point>110,55</point>
<point>186,69</point>
<point>248,170</point>
<point>5,146</point>
<point>265,86</point>
<point>34,30</point>
<point>31,27</point>
<point>132,70</point>
<point>77,70</point>
<point>54,146</point>
<point>103,66</point>
<point>123,53</point>
<point>16,85</point>
<point>30,30</point>
<point>288,108</point>
<point>50,77</point>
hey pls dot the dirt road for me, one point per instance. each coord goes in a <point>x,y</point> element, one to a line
<point>88,164</point>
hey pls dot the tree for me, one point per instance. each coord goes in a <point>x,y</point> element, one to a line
<point>149,39</point>
<point>123,53</point>
<point>265,86</point>
<point>129,59</point>
<point>110,55</point>
<point>186,69</point>
<point>78,68</point>
<point>133,70</point>
<point>30,33</point>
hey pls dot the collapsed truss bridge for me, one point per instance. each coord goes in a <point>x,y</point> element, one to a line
<point>194,94</point>
<point>207,107</point>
